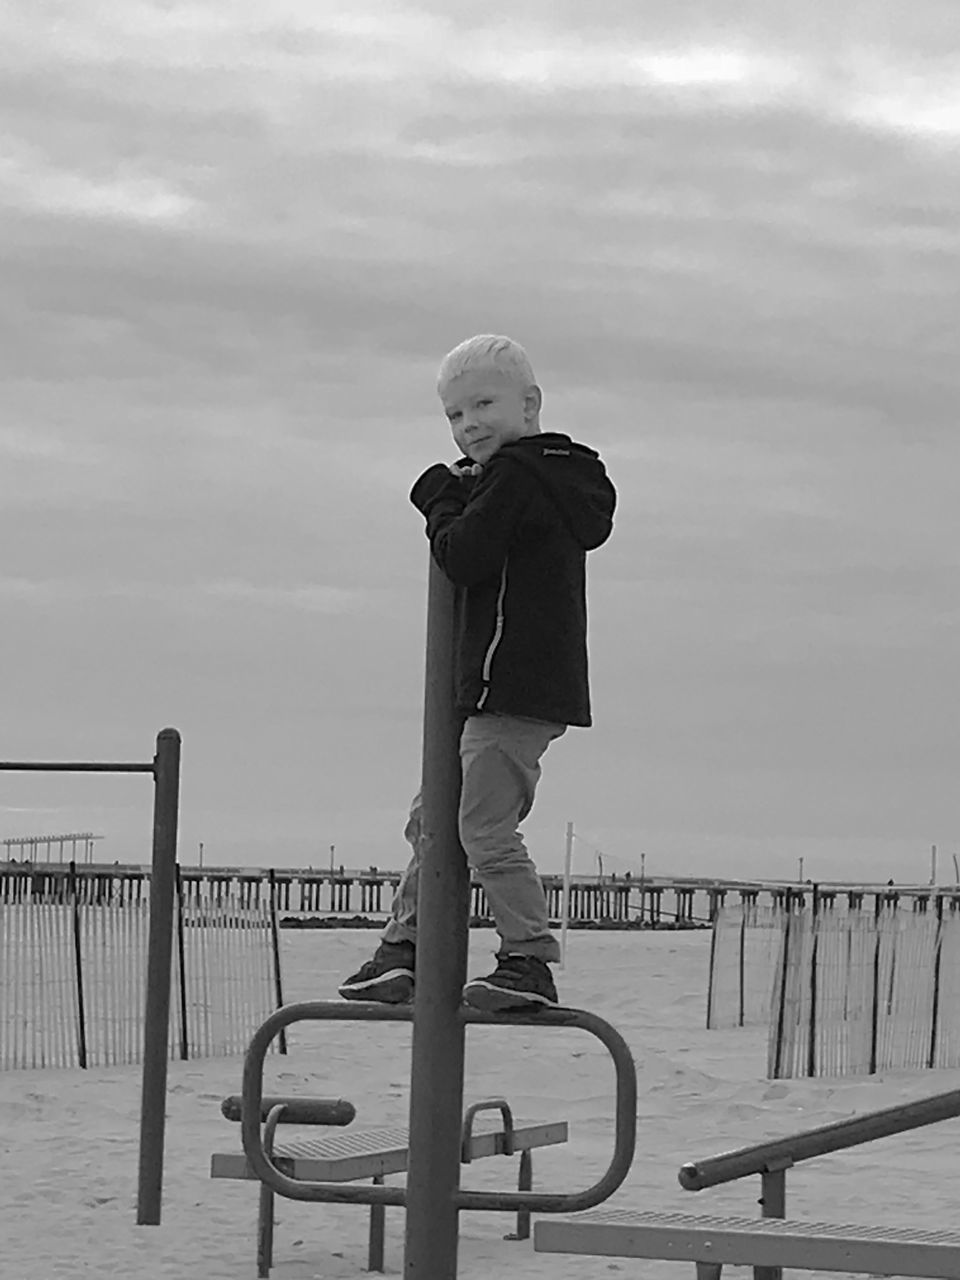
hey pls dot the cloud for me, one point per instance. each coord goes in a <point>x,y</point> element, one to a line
<point>29,181</point>
<point>308,599</point>
<point>235,244</point>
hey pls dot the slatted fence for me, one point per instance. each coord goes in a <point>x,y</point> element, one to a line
<point>73,964</point>
<point>864,991</point>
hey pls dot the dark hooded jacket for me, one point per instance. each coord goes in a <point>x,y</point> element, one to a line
<point>514,542</point>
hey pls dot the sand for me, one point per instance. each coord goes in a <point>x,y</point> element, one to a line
<point>70,1138</point>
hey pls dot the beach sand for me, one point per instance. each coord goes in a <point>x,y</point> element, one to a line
<point>70,1137</point>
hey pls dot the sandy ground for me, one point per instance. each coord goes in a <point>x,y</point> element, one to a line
<point>69,1138</point>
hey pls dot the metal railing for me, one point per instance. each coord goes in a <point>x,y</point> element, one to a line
<point>532,1201</point>
<point>772,1159</point>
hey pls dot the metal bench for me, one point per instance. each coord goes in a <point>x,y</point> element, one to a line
<point>368,1153</point>
<point>711,1241</point>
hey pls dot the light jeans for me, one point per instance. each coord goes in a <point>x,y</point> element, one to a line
<point>500,768</point>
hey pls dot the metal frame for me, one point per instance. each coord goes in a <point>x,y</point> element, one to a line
<point>381,1158</point>
<point>772,1159</point>
<point>712,1241</point>
<point>532,1201</point>
<point>165,768</point>
<point>432,1196</point>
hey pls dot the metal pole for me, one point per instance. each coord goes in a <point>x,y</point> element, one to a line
<point>436,1084</point>
<point>166,773</point>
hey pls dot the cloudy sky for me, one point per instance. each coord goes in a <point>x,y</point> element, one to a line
<point>236,241</point>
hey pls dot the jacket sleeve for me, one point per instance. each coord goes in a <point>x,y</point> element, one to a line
<point>471,522</point>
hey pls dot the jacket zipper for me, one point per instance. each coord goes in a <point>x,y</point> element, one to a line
<point>497,636</point>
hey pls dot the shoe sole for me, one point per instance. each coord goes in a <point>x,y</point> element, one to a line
<point>492,999</point>
<point>395,987</point>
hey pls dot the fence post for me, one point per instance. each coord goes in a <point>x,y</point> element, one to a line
<point>711,979</point>
<point>875,1010</point>
<point>78,966</point>
<point>166,774</point>
<point>181,957</point>
<point>275,944</point>
<point>935,1013</point>
<point>814,946</point>
<point>784,972</point>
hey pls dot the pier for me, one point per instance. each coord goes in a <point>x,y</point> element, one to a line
<point>308,897</point>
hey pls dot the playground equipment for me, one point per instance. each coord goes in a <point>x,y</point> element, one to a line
<point>165,768</point>
<point>767,1246</point>
<point>368,1154</point>
<point>432,1196</point>
<point>774,1242</point>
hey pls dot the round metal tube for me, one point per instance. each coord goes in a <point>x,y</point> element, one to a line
<point>160,950</point>
<point>535,1201</point>
<point>77,766</point>
<point>696,1175</point>
<point>436,1078</point>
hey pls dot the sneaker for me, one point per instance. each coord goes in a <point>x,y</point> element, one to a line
<point>518,982</point>
<point>387,978</point>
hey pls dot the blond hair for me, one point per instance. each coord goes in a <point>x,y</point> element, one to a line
<point>487,351</point>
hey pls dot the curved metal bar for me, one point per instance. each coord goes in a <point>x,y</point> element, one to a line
<point>466,1129</point>
<point>340,1011</point>
<point>252,1101</point>
<point>626,1116</point>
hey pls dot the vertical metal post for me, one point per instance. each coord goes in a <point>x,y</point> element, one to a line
<point>773,1202</point>
<point>436,1084</point>
<point>166,805</point>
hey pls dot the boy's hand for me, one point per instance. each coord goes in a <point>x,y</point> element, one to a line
<point>438,484</point>
<point>472,469</point>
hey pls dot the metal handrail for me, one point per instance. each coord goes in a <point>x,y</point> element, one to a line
<point>781,1153</point>
<point>337,1010</point>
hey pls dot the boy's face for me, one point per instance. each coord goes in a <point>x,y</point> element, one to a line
<point>486,409</point>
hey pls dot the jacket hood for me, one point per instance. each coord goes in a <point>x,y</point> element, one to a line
<point>574,478</point>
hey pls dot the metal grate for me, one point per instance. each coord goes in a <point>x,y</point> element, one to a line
<point>342,1145</point>
<point>767,1226</point>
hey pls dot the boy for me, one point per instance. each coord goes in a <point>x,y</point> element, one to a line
<point>510,524</point>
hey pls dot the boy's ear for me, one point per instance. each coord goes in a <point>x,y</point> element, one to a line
<point>532,400</point>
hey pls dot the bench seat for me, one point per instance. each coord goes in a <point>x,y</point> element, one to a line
<point>348,1155</point>
<point>372,1153</point>
<point>711,1241</point>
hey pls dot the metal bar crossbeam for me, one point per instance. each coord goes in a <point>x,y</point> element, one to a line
<point>76,766</point>
<point>731,1165</point>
